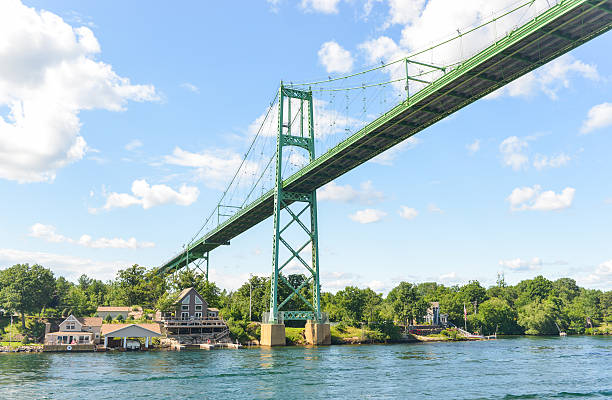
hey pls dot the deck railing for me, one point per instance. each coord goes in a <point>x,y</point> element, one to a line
<point>193,322</point>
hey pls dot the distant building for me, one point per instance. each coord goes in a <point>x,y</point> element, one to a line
<point>76,331</point>
<point>114,312</point>
<point>433,316</point>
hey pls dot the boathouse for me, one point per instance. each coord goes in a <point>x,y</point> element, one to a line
<point>123,332</point>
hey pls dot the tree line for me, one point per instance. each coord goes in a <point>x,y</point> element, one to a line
<point>535,306</point>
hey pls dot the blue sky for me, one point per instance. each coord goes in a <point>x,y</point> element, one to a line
<point>123,121</point>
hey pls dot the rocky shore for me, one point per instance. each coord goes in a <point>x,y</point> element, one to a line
<point>21,349</point>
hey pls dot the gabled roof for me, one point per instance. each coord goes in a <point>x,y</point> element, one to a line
<point>90,321</point>
<point>116,309</point>
<point>72,318</point>
<point>213,309</point>
<point>184,293</point>
<point>110,329</point>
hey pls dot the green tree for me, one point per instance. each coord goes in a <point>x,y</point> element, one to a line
<point>26,289</point>
<point>351,300</point>
<point>474,293</point>
<point>211,293</point>
<point>496,315</point>
<point>566,289</point>
<point>78,302</point>
<point>529,290</point>
<point>372,306</point>
<point>406,302</point>
<point>606,306</point>
<point>541,317</point>
<point>133,285</point>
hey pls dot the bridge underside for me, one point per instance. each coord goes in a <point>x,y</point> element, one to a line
<point>557,31</point>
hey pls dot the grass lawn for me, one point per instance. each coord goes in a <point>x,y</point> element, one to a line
<point>294,335</point>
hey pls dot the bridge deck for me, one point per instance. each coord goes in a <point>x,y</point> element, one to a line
<point>557,31</point>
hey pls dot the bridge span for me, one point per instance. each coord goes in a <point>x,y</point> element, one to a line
<point>558,30</point>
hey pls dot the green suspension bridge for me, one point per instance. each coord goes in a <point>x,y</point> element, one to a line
<point>280,172</point>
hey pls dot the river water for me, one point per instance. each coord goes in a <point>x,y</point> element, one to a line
<point>511,368</point>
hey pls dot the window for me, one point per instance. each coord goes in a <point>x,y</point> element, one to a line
<point>198,315</point>
<point>198,300</point>
<point>185,307</point>
<point>184,315</point>
<point>186,300</point>
<point>198,308</point>
<point>70,326</point>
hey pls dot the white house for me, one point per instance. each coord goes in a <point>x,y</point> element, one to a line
<point>76,331</point>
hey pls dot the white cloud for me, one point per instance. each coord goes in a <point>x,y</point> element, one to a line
<point>191,87</point>
<point>322,6</point>
<point>68,266</point>
<point>214,168</point>
<point>149,196</point>
<point>598,117</point>
<point>133,144</point>
<point>473,147</point>
<point>368,216</point>
<point>513,152</point>
<point>601,277</point>
<point>387,157</point>
<point>519,264</point>
<point>404,12</point>
<point>335,58</point>
<point>533,198</point>
<point>335,280</point>
<point>542,161</point>
<point>347,194</point>
<point>434,21</point>
<point>549,79</point>
<point>49,74</point>
<point>434,208</point>
<point>448,277</point>
<point>48,233</point>
<point>408,213</point>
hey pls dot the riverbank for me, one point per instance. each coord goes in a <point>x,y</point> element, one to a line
<point>16,347</point>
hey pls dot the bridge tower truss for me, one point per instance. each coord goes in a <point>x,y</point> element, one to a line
<point>303,137</point>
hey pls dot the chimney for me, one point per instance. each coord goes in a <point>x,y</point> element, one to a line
<point>47,327</point>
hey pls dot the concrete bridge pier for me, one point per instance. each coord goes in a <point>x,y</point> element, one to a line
<point>272,335</point>
<point>317,333</point>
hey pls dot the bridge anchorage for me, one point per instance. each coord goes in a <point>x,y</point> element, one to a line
<point>273,328</point>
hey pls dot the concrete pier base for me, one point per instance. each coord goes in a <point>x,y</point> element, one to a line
<point>317,334</point>
<point>272,334</point>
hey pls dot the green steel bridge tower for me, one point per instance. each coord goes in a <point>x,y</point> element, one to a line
<point>303,138</point>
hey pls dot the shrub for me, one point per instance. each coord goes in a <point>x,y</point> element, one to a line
<point>36,329</point>
<point>341,327</point>
<point>119,318</point>
<point>450,333</point>
<point>108,318</point>
<point>25,340</point>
